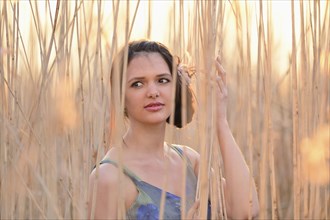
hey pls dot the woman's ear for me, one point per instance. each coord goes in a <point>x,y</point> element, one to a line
<point>125,112</point>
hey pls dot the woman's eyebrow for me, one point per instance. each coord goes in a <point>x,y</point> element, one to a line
<point>135,79</point>
<point>142,77</point>
<point>163,74</point>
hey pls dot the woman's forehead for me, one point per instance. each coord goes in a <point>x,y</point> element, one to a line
<point>147,62</point>
<point>146,55</point>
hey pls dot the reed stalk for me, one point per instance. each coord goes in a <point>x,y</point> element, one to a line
<point>56,120</point>
<point>295,121</point>
<point>263,165</point>
<point>248,101</point>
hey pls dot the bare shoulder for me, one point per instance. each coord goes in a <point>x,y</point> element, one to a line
<point>104,179</point>
<point>192,155</point>
<point>106,173</point>
<point>103,191</point>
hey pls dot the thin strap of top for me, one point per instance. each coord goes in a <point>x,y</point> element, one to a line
<point>129,173</point>
<point>177,149</point>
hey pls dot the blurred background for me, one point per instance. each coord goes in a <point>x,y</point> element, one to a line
<point>55,61</point>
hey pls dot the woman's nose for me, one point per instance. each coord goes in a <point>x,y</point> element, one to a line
<point>153,92</point>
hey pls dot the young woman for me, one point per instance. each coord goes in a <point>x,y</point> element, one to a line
<point>147,158</point>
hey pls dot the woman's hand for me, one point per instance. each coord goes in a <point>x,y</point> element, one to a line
<point>221,91</point>
<point>192,213</point>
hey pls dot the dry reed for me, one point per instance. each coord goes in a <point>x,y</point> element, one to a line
<point>55,61</point>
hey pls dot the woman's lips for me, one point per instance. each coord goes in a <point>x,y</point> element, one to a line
<point>154,106</point>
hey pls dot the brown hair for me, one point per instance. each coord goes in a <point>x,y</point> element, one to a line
<point>146,46</point>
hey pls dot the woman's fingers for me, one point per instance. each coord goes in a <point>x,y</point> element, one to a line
<point>222,89</point>
<point>221,84</point>
<point>221,76</point>
<point>221,70</point>
<point>192,213</point>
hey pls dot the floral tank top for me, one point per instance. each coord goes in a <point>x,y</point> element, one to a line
<point>147,204</point>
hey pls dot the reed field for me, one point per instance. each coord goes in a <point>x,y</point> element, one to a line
<point>55,101</point>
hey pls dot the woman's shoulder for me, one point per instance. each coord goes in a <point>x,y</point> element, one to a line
<point>104,184</point>
<point>188,151</point>
<point>191,154</point>
<point>105,171</point>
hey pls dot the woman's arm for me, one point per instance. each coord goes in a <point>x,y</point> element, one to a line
<point>105,198</point>
<point>237,175</point>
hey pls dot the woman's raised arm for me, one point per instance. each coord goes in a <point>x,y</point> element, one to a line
<point>237,174</point>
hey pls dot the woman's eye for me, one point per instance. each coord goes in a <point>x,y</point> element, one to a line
<point>137,84</point>
<point>164,80</point>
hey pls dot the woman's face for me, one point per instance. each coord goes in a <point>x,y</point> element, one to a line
<point>148,89</point>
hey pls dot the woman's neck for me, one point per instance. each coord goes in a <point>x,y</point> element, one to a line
<point>145,139</point>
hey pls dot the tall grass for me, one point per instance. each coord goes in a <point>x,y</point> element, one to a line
<point>55,61</point>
